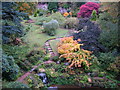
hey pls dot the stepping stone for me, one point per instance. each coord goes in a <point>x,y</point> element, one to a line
<point>49,48</point>
<point>51,53</point>
<point>47,44</point>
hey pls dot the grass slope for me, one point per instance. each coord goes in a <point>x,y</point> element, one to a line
<point>36,37</point>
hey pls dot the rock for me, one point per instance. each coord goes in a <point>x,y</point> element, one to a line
<point>49,48</point>
<point>30,21</point>
<point>58,62</point>
<point>48,62</point>
<point>66,63</point>
<point>52,88</point>
<point>98,78</point>
<point>42,70</point>
<point>89,80</point>
<point>43,77</point>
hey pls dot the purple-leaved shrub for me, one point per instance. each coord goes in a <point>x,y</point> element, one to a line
<point>86,9</point>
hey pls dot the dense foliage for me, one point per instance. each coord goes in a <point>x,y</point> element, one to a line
<point>109,35</point>
<point>52,6</point>
<point>27,7</point>
<point>10,70</point>
<point>89,34</point>
<point>50,27</point>
<point>71,22</point>
<point>11,27</point>
<point>86,9</point>
<point>75,56</point>
<point>16,84</point>
<point>56,16</point>
<point>105,59</point>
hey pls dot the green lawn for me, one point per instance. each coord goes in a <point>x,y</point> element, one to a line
<point>53,45</point>
<point>36,37</point>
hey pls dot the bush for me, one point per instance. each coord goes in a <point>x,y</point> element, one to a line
<point>53,6</point>
<point>114,66</point>
<point>16,85</point>
<point>71,22</point>
<point>109,36</point>
<point>86,9</point>
<point>105,59</point>
<point>27,7</point>
<point>50,27</point>
<point>56,16</point>
<point>35,55</point>
<point>11,26</point>
<point>89,34</point>
<point>75,56</point>
<point>10,70</point>
<point>93,16</point>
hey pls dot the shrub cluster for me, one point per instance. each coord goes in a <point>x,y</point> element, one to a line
<point>89,34</point>
<point>10,70</point>
<point>86,9</point>
<point>50,27</point>
<point>105,59</point>
<point>109,36</point>
<point>16,85</point>
<point>11,26</point>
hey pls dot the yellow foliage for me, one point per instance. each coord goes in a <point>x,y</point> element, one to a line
<point>70,49</point>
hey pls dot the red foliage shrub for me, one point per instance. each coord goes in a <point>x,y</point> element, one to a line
<point>86,9</point>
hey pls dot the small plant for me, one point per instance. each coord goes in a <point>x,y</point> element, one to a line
<point>93,15</point>
<point>70,49</point>
<point>50,27</point>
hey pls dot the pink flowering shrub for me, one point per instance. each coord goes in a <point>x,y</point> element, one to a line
<point>86,9</point>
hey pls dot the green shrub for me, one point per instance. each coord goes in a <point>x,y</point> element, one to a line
<point>10,70</point>
<point>53,6</point>
<point>115,66</point>
<point>105,59</point>
<point>16,85</point>
<point>35,14</point>
<point>35,55</point>
<point>93,15</point>
<point>71,22</point>
<point>18,52</point>
<point>57,16</point>
<point>50,27</point>
<point>109,37</point>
